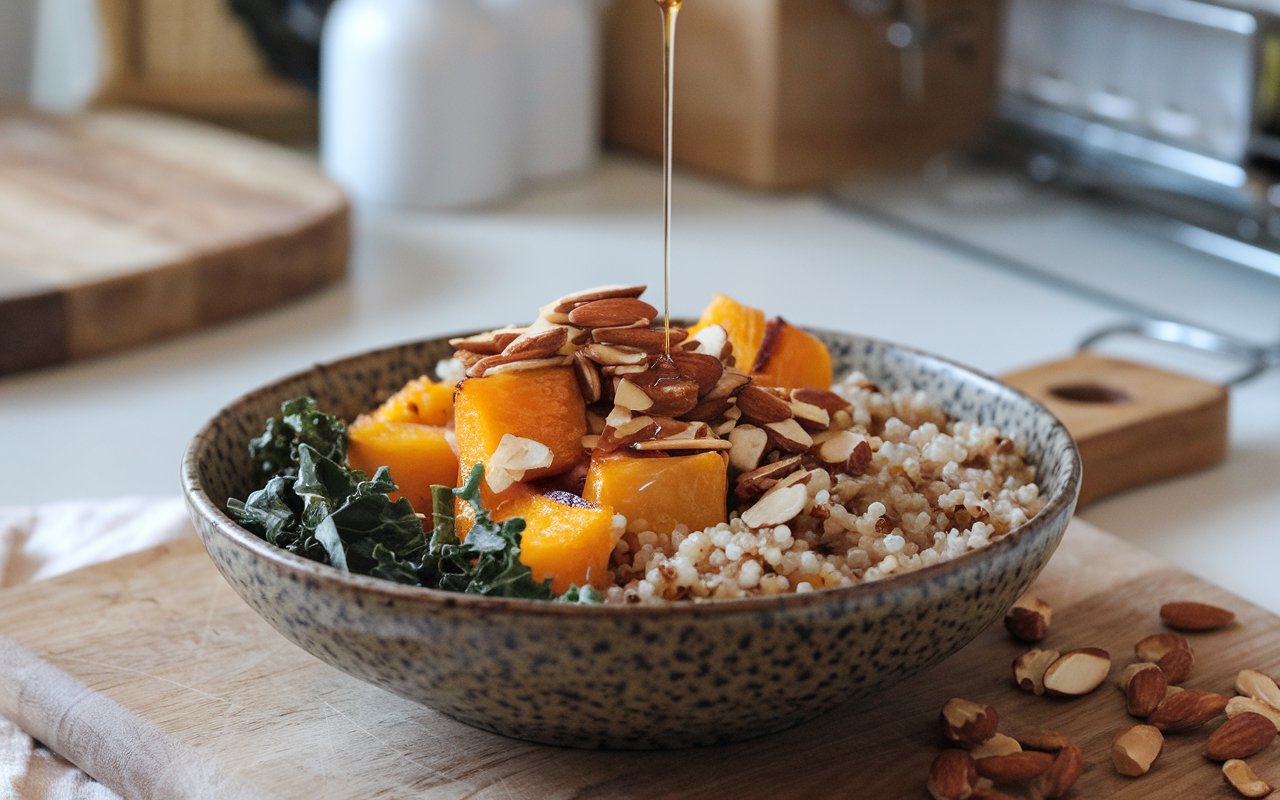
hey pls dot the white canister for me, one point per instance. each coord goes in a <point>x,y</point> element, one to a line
<point>417,103</point>
<point>557,49</point>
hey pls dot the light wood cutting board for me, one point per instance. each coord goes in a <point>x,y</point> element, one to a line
<point>152,675</point>
<point>118,228</point>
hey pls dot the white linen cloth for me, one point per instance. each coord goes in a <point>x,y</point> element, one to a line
<point>41,542</point>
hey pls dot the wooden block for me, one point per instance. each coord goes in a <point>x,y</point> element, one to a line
<point>1134,424</point>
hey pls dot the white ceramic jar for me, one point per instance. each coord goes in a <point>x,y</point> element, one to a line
<point>557,47</point>
<point>417,107</point>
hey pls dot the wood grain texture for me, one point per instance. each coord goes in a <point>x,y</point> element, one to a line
<point>1134,424</point>
<point>155,654</point>
<point>117,228</point>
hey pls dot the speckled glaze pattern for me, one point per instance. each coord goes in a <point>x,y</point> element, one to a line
<point>665,676</point>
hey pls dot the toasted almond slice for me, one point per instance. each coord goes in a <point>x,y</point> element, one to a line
<point>751,485</point>
<point>998,745</point>
<point>632,427</point>
<point>1260,687</point>
<point>550,314</point>
<point>837,448</point>
<point>489,343</point>
<point>1192,616</point>
<point>712,340</point>
<point>827,400</point>
<point>651,340</point>
<point>968,723</point>
<point>682,445</point>
<point>762,406</point>
<point>730,382</point>
<point>1243,779</point>
<point>607,355</point>
<point>1135,749</point>
<point>494,365</point>
<point>1241,704</point>
<point>1029,669</point>
<point>788,435</point>
<point>748,445</point>
<point>572,301</point>
<point>1077,672</point>
<point>613,312</point>
<point>513,458</point>
<point>710,411</point>
<point>590,441</point>
<point>1187,709</point>
<point>813,418</point>
<point>952,776</point>
<point>589,382</point>
<point>1240,737</point>
<point>777,507</point>
<point>631,397</point>
<point>1145,692</point>
<point>731,417</point>
<point>539,344</point>
<point>1028,619</point>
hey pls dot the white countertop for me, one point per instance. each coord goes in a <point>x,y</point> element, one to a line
<point>118,425</point>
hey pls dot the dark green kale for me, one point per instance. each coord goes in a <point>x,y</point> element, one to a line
<point>317,507</point>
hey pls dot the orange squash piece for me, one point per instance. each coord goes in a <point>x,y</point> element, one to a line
<point>744,324</point>
<point>566,539</point>
<point>662,492</point>
<point>792,358</point>
<point>422,400</point>
<point>418,456</point>
<point>544,405</point>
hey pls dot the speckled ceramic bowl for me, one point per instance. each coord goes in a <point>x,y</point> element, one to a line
<point>637,676</point>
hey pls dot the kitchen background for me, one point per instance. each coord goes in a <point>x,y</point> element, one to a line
<point>992,181</point>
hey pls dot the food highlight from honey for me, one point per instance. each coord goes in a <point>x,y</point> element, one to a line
<point>575,458</point>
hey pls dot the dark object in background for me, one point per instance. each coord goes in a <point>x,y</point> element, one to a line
<point>288,34</point>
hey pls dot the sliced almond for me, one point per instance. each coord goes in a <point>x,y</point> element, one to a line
<point>762,406</point>
<point>1240,705</point>
<point>624,370</point>
<point>837,448</point>
<point>1145,692</point>
<point>748,445</point>
<point>813,418</point>
<point>1192,616</point>
<point>1134,750</point>
<point>1029,669</point>
<point>751,485</point>
<point>709,410</point>
<point>1176,664</point>
<point>702,369</point>
<point>634,426</point>
<point>788,435</point>
<point>730,382</point>
<point>998,745</point>
<point>613,312</point>
<point>608,355</point>
<point>588,376</point>
<point>590,441</point>
<point>651,340</point>
<point>1062,775</point>
<point>541,344</point>
<point>968,723</point>
<point>629,396</point>
<point>1240,737</point>
<point>1260,687</point>
<point>1153,647</point>
<point>731,418</point>
<point>1243,779</point>
<point>513,458</point>
<point>682,445</point>
<point>495,365</point>
<point>1028,619</point>
<point>776,508</point>
<point>713,340</point>
<point>1015,767</point>
<point>952,776</point>
<point>1186,710</point>
<point>489,343</point>
<point>830,401</point>
<point>572,301</point>
<point>1077,672</point>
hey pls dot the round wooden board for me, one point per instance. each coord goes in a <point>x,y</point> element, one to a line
<point>121,227</point>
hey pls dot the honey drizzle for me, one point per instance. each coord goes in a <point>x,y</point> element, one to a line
<point>670,11</point>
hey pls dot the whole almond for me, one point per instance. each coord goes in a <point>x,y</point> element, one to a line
<point>1015,767</point>
<point>651,340</point>
<point>1077,672</point>
<point>1028,619</point>
<point>1063,774</point>
<point>672,398</point>
<point>1260,687</point>
<point>968,723</point>
<point>1240,737</point>
<point>822,398</point>
<point>1135,749</point>
<point>1192,616</point>
<point>1239,705</point>
<point>701,369</point>
<point>1187,709</point>
<point>1155,646</point>
<point>1243,779</point>
<point>1029,669</point>
<point>952,776</point>
<point>1176,664</point>
<point>1041,739</point>
<point>762,406</point>
<point>997,745</point>
<point>1145,692</point>
<point>613,312</point>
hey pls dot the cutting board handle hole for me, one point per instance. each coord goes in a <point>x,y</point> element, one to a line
<point>1090,393</point>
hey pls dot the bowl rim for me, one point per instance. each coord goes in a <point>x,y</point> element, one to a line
<point>327,576</point>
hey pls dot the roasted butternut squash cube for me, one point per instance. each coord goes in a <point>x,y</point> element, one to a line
<point>661,492</point>
<point>422,400</point>
<point>417,455</point>
<point>744,324</point>
<point>792,358</point>
<point>566,539</point>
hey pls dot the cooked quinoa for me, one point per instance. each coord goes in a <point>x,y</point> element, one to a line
<point>935,488</point>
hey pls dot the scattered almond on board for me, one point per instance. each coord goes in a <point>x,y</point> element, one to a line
<point>981,761</point>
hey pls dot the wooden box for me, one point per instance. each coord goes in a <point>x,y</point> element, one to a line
<point>797,93</point>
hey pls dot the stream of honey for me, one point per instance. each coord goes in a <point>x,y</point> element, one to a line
<point>670,12</point>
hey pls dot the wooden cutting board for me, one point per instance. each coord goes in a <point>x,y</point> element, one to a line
<point>118,228</point>
<point>151,674</point>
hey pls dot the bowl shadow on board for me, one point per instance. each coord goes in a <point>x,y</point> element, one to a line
<point>630,676</point>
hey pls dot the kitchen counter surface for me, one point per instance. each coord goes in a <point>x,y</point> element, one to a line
<point>118,425</point>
